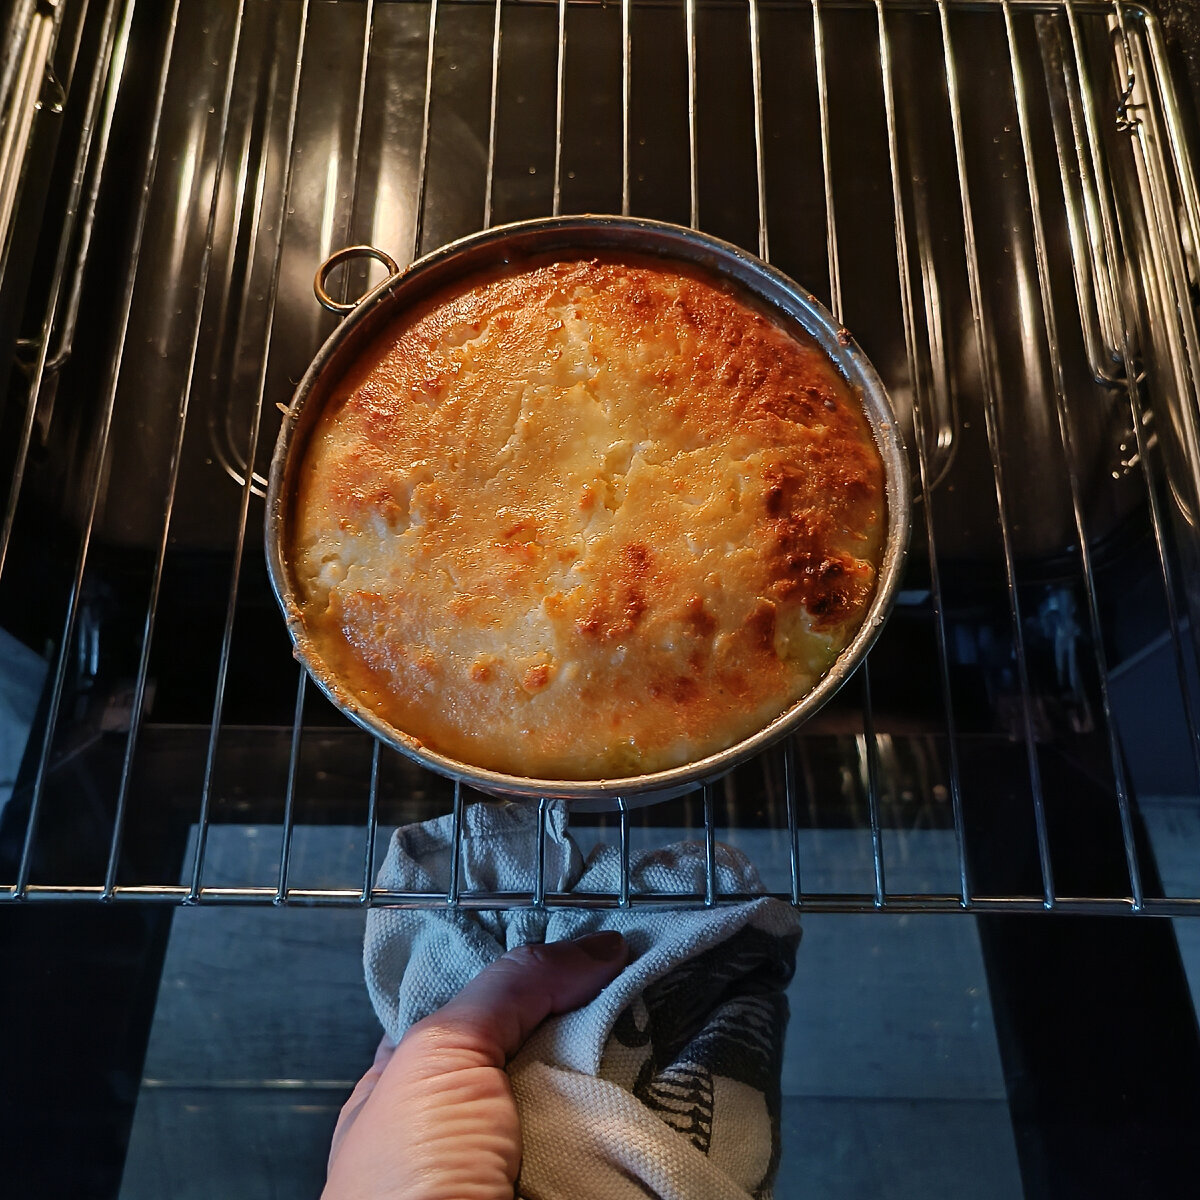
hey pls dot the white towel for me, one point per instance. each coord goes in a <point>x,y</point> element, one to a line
<point>667,1084</point>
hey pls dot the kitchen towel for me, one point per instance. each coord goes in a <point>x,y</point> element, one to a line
<point>667,1084</point>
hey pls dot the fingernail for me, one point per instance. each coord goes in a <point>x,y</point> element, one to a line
<point>603,947</point>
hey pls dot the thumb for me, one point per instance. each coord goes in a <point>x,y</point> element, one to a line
<point>439,1118</point>
<point>498,1010</point>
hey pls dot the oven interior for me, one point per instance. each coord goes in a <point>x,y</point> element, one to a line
<point>998,199</point>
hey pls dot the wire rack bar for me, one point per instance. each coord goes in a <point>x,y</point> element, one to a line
<point>289,801</point>
<point>689,12</point>
<point>1172,283</point>
<point>1071,453</point>
<point>356,144</point>
<point>871,756</point>
<point>831,239</point>
<point>16,20</point>
<point>114,41</point>
<point>456,835</point>
<point>66,333</point>
<point>560,97</point>
<point>1098,173</point>
<point>1050,7</point>
<point>489,184</point>
<point>36,61</point>
<point>626,92</point>
<point>139,691</point>
<point>1091,260</point>
<point>251,452</point>
<point>1173,121</point>
<point>539,887</point>
<point>831,902</point>
<point>790,791</point>
<point>373,825</point>
<point>760,169</point>
<point>350,239</point>
<point>991,420</point>
<point>918,404</point>
<point>623,897</point>
<point>1091,246</point>
<point>871,747</point>
<point>710,849</point>
<point>423,155</point>
<point>230,458</point>
<point>454,892</point>
<point>1140,419</point>
<point>764,254</point>
<point>105,426</point>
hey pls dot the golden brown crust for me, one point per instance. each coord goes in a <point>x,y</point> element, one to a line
<point>586,519</point>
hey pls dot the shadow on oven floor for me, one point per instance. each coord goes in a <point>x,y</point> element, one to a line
<point>892,1080</point>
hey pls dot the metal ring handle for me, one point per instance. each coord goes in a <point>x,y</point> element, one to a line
<point>344,255</point>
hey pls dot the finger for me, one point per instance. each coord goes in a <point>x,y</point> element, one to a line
<point>361,1094</point>
<point>498,1010</point>
<point>441,1115</point>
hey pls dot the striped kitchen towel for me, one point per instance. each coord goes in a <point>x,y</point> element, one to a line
<point>667,1084</point>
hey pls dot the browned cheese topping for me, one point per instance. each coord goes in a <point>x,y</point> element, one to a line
<point>586,519</point>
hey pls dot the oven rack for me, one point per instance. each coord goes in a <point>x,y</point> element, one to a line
<point>1123,192</point>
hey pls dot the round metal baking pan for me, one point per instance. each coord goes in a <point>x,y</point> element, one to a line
<point>574,235</point>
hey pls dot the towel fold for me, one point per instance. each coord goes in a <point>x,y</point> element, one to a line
<point>668,1082</point>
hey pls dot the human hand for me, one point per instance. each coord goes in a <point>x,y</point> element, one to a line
<point>434,1118</point>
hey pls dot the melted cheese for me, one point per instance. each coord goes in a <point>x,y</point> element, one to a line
<point>586,519</point>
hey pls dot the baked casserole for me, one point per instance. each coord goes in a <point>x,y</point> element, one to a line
<point>586,518</point>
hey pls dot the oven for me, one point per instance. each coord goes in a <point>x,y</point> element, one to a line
<point>998,197</point>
